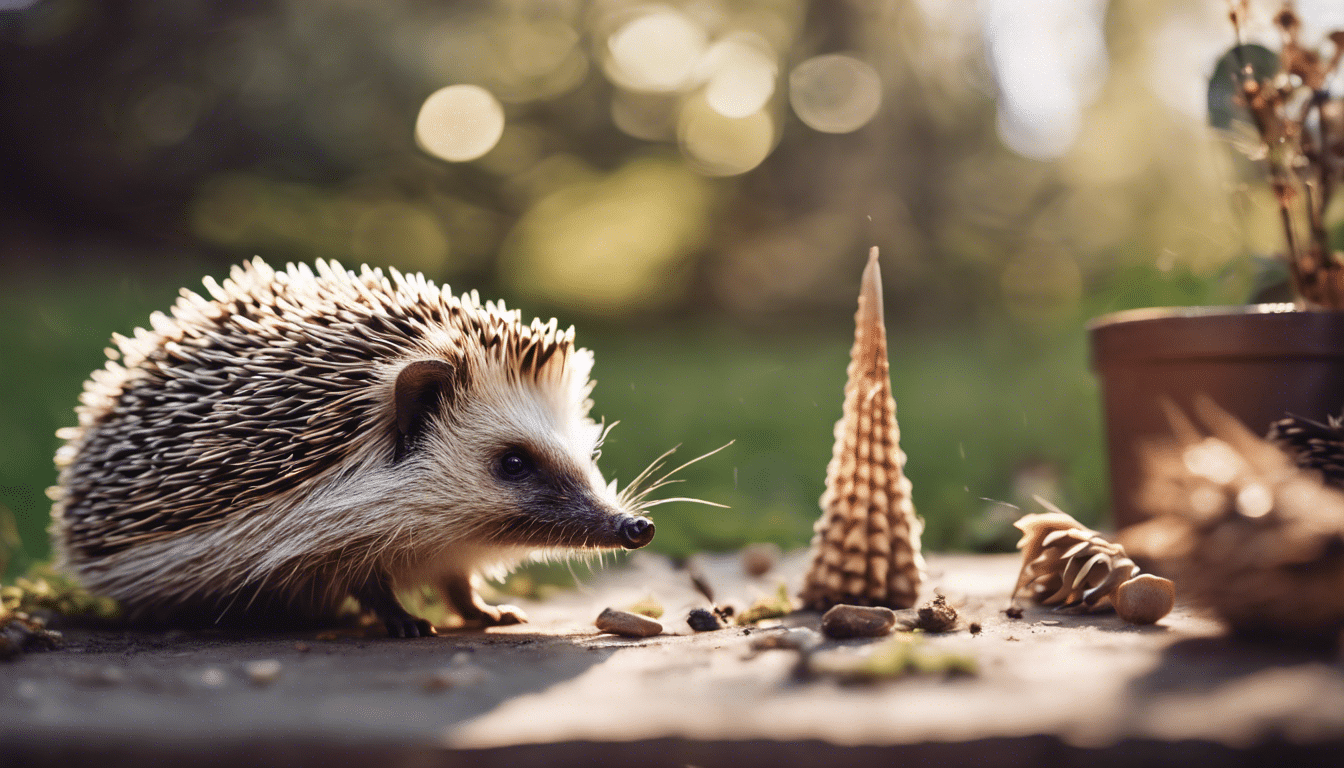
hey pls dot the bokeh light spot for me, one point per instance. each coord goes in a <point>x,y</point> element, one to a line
<point>656,51</point>
<point>459,123</point>
<point>724,146</point>
<point>741,77</point>
<point>835,93</point>
<point>614,244</point>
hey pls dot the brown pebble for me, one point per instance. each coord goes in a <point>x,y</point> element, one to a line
<point>844,621</point>
<point>936,615</point>
<point>627,624</point>
<point>975,627</point>
<point>302,647</point>
<point>759,559</point>
<point>1144,599</point>
<point>1014,612</point>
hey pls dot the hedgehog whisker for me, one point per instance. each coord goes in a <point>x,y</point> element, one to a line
<point>649,470</point>
<point>657,502</point>
<point>634,496</point>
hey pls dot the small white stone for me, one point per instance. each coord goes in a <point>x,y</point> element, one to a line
<point>627,624</point>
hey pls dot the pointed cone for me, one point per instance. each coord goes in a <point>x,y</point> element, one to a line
<point>866,549</point>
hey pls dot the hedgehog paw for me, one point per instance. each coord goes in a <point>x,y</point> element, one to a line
<point>499,615</point>
<point>408,626</point>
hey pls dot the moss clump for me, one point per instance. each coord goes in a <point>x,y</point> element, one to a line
<point>898,657</point>
<point>648,606</point>
<point>43,589</point>
<point>771,607</point>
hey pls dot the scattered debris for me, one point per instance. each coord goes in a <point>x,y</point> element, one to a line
<point>772,607</point>
<point>649,606</point>
<point>845,621</point>
<point>936,616</point>
<point>703,620</point>
<point>627,624</point>
<point>759,559</point>
<point>20,633</point>
<point>701,584</point>
<point>262,672</point>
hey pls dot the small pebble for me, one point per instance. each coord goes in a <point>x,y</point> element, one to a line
<point>936,615</point>
<point>702,620</point>
<point>213,677</point>
<point>795,639</point>
<point>759,559</point>
<point>263,672</point>
<point>1049,622</point>
<point>627,624</point>
<point>302,647</point>
<point>1013,612</point>
<point>845,621</point>
<point>975,628</point>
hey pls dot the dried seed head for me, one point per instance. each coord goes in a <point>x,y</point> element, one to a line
<point>1250,536</point>
<point>866,550</point>
<point>1068,565</point>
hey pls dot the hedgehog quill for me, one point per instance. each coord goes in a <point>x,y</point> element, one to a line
<point>303,437</point>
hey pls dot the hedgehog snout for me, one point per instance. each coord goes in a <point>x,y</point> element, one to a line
<point>635,532</point>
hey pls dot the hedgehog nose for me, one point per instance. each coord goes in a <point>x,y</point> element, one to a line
<point>635,532</point>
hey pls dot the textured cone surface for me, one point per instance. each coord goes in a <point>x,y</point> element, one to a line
<point>1312,445</point>
<point>866,548</point>
<point>1245,532</point>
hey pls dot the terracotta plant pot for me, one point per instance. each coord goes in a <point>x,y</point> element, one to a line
<point>1258,362</point>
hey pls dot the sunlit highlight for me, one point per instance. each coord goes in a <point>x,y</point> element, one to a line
<point>724,146</point>
<point>835,93</point>
<point>656,51</point>
<point>740,77</point>
<point>459,123</point>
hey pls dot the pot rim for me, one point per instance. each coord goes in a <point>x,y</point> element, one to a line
<point>1165,313</point>
<point>1252,331</point>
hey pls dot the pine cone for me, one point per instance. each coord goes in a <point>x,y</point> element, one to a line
<point>1246,532</point>
<point>1067,565</point>
<point>1313,445</point>
<point>866,549</point>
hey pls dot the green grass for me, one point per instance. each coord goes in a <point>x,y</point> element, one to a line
<point>986,414</point>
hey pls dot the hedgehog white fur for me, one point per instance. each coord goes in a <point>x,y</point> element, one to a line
<point>302,438</point>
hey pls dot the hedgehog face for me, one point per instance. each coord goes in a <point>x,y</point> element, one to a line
<point>513,462</point>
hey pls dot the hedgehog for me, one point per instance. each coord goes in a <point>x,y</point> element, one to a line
<point>304,437</point>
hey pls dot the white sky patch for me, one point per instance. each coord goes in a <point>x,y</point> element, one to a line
<point>1049,59</point>
<point>1190,40</point>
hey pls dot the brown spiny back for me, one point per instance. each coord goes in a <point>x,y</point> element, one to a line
<point>239,399</point>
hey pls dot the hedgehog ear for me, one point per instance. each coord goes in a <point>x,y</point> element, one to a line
<point>422,387</point>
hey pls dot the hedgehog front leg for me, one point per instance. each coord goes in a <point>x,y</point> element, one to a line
<point>463,599</point>
<point>376,595</point>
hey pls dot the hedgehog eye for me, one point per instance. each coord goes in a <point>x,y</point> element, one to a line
<point>515,465</point>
